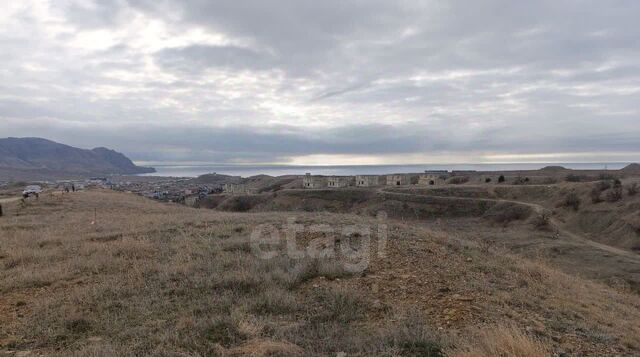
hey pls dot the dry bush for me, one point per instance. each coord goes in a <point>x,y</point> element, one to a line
<point>603,186</point>
<point>339,305</point>
<point>521,180</point>
<point>541,221</point>
<point>596,195</point>
<point>614,194</point>
<point>411,338</point>
<point>549,181</point>
<point>274,301</point>
<point>458,180</point>
<point>571,200</point>
<point>576,178</point>
<point>503,342</point>
<point>632,189</point>
<point>506,212</point>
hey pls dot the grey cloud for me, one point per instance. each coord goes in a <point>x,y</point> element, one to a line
<point>282,143</point>
<point>331,77</point>
<point>197,58</point>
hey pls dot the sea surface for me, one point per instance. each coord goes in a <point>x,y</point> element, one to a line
<point>279,170</point>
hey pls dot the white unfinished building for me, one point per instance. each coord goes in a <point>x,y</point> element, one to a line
<point>397,180</point>
<point>433,178</point>
<point>309,181</point>
<point>367,180</point>
<point>340,181</point>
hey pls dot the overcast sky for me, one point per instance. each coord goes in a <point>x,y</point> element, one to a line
<point>326,82</point>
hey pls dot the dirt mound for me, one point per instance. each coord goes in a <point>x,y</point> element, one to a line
<point>553,168</point>
<point>631,169</point>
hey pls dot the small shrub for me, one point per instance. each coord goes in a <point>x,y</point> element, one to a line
<point>575,178</point>
<point>503,341</point>
<point>239,282</point>
<point>541,221</point>
<point>224,331</point>
<point>487,180</point>
<point>505,213</point>
<point>458,180</point>
<point>241,204</point>
<point>596,195</point>
<point>274,301</point>
<point>501,179</point>
<point>572,201</point>
<point>520,180</point>
<point>632,190</point>
<point>340,305</point>
<point>308,269</point>
<point>603,186</point>
<point>617,183</point>
<point>237,245</point>
<point>614,194</point>
<point>412,338</point>
<point>424,348</point>
<point>78,325</point>
<point>607,177</point>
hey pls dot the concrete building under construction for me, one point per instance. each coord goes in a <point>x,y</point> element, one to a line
<point>367,180</point>
<point>340,181</point>
<point>433,178</point>
<point>310,181</point>
<point>397,180</point>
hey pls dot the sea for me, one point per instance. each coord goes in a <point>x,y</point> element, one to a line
<point>280,170</point>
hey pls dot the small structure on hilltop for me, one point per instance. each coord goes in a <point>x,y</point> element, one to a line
<point>397,180</point>
<point>309,181</point>
<point>367,180</point>
<point>340,181</point>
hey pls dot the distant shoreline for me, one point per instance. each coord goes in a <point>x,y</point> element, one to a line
<point>280,170</point>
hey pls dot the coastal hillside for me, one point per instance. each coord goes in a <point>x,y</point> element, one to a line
<point>79,270</point>
<point>36,157</point>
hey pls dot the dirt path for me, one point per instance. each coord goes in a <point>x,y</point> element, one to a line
<point>537,209</point>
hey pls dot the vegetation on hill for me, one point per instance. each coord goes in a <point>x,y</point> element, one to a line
<point>105,273</point>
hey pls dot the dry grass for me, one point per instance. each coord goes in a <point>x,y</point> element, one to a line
<point>156,279</point>
<point>153,279</point>
<point>503,342</point>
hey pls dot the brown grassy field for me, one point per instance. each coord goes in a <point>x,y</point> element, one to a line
<point>100,273</point>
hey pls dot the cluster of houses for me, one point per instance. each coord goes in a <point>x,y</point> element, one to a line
<point>426,178</point>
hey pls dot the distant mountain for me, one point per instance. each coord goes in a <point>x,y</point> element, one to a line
<point>42,156</point>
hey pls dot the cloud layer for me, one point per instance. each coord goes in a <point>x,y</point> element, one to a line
<point>335,81</point>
